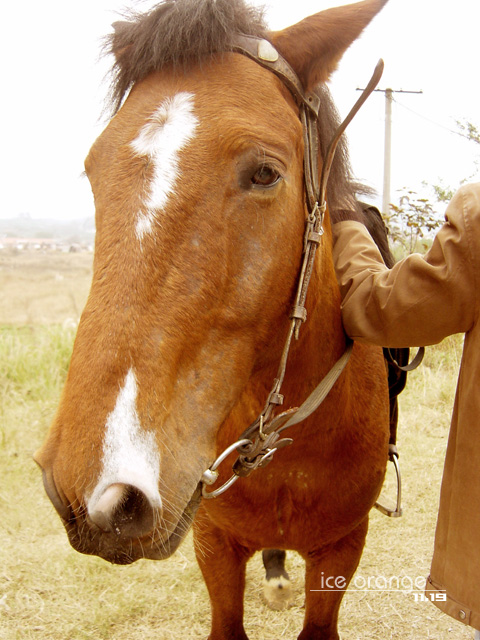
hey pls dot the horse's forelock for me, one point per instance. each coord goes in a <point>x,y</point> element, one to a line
<point>175,32</point>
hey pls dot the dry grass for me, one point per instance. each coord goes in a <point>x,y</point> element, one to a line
<point>40,288</point>
<point>48,591</point>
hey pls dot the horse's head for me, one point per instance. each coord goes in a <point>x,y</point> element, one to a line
<point>199,195</point>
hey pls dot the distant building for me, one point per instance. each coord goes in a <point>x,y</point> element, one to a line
<point>42,244</point>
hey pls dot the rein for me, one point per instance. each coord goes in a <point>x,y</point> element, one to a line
<point>258,443</point>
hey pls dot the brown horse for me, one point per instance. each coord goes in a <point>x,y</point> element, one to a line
<point>200,212</point>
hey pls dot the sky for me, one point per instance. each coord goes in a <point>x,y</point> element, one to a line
<point>54,87</point>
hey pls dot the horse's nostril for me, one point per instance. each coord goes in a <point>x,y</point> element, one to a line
<point>125,511</point>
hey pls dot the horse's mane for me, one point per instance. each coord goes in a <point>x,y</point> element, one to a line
<point>182,32</point>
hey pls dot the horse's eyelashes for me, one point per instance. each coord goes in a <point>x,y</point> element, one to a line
<point>255,173</point>
<point>266,176</point>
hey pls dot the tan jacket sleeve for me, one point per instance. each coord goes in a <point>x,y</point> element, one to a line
<point>422,299</point>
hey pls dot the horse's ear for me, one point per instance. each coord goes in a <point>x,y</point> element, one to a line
<point>314,46</point>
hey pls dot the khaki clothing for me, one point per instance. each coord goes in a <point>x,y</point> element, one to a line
<point>421,300</point>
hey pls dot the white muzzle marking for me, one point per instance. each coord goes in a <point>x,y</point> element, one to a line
<point>130,454</point>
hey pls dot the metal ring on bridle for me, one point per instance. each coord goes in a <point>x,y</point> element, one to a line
<point>210,476</point>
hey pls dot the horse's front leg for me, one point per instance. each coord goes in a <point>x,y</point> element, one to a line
<point>328,572</point>
<point>222,562</point>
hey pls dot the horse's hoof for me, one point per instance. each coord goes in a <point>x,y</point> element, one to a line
<point>278,593</point>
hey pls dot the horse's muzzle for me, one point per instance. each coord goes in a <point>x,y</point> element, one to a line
<point>125,526</point>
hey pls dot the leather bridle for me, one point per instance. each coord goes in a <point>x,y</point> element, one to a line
<point>261,439</point>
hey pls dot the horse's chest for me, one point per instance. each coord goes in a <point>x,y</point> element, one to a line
<point>289,498</point>
<point>285,509</point>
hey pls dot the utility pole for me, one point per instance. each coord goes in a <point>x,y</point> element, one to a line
<point>387,154</point>
<point>387,158</point>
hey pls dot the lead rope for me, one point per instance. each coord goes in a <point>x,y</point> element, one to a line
<point>258,443</point>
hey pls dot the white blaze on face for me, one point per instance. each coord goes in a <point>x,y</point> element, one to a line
<point>130,454</point>
<point>161,139</point>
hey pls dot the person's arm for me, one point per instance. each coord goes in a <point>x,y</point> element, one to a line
<point>422,299</point>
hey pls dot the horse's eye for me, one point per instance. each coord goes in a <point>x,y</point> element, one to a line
<point>265,176</point>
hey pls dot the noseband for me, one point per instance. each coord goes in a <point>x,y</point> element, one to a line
<point>260,440</point>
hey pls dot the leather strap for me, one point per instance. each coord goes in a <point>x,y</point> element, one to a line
<point>319,394</point>
<point>265,54</point>
<point>411,366</point>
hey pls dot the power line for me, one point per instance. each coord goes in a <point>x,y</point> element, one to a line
<point>437,124</point>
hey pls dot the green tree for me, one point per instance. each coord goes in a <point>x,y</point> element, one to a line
<point>468,130</point>
<point>443,192</point>
<point>411,220</point>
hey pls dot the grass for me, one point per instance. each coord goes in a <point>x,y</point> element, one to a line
<point>50,592</point>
